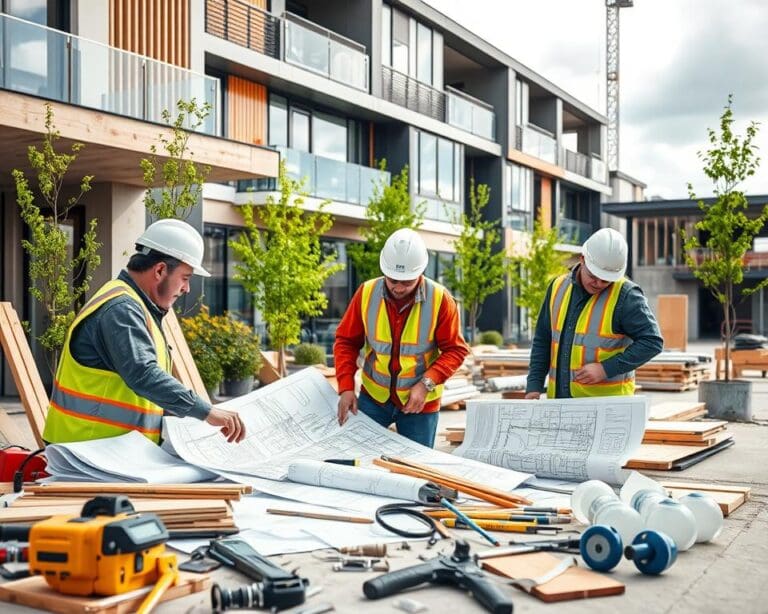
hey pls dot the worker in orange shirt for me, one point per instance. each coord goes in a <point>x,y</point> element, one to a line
<point>408,327</point>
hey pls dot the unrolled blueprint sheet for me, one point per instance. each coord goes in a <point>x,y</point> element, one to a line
<point>566,439</point>
<point>295,418</point>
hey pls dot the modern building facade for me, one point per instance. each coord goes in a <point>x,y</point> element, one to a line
<point>333,86</point>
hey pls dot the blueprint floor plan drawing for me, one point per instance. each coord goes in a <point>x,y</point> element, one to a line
<point>567,439</point>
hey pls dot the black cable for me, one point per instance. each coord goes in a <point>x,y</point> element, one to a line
<point>18,477</point>
<point>393,509</point>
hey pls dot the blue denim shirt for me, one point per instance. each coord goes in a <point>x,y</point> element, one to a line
<point>115,338</point>
<point>632,317</point>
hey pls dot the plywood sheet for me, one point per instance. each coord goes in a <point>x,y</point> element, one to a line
<point>663,457</point>
<point>672,314</point>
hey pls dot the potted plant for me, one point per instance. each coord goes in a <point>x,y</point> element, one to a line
<point>307,354</point>
<point>197,332</point>
<point>729,233</point>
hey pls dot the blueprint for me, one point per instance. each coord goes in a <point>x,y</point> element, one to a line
<point>566,439</point>
<point>295,418</point>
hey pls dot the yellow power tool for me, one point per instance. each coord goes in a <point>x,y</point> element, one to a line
<point>108,550</point>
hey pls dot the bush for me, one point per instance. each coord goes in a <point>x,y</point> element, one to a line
<point>309,354</point>
<point>233,344</point>
<point>491,337</point>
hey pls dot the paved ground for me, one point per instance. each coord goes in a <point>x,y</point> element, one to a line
<point>728,576</point>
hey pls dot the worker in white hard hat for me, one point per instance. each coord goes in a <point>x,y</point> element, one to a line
<point>114,374</point>
<point>594,328</point>
<point>408,328</point>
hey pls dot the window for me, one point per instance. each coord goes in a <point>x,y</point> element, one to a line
<point>299,137</point>
<point>519,205</point>
<point>445,173</point>
<point>423,54</point>
<point>439,168</point>
<point>329,136</point>
<point>278,121</point>
<point>386,35</point>
<point>400,37</point>
<point>427,164</point>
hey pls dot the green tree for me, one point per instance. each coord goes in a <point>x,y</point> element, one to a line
<point>58,282</point>
<point>719,262</point>
<point>533,272</point>
<point>181,178</point>
<point>481,266</point>
<point>283,265</point>
<point>389,209</point>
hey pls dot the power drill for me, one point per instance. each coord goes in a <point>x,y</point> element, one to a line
<point>109,550</point>
<point>459,569</point>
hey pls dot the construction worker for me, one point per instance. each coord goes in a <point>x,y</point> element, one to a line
<point>594,328</point>
<point>408,327</point>
<point>114,374</point>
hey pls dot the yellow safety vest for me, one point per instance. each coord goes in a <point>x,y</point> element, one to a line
<point>593,340</point>
<point>418,348</point>
<point>88,403</point>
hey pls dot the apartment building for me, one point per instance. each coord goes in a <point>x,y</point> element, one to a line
<point>333,86</point>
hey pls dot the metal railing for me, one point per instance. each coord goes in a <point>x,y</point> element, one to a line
<point>324,178</point>
<point>243,24</point>
<point>412,94</point>
<point>536,142</point>
<point>576,162</point>
<point>310,46</point>
<point>470,114</point>
<point>573,232</point>
<point>44,62</point>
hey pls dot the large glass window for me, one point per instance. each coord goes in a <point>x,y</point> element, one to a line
<point>445,170</point>
<point>424,54</point>
<point>329,136</point>
<point>278,121</point>
<point>299,130</point>
<point>519,207</point>
<point>439,168</point>
<point>400,40</point>
<point>427,164</point>
<point>386,35</point>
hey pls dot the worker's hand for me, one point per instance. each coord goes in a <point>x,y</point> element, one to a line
<point>592,373</point>
<point>415,399</point>
<point>347,403</point>
<point>535,396</point>
<point>231,423</point>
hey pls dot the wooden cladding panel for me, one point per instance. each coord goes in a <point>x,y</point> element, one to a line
<point>246,111</point>
<point>546,202</point>
<point>158,29</point>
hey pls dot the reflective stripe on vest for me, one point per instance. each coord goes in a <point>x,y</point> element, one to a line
<point>89,403</point>
<point>418,348</point>
<point>593,339</point>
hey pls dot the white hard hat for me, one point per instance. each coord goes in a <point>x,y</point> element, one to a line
<point>178,239</point>
<point>404,255</point>
<point>605,254</point>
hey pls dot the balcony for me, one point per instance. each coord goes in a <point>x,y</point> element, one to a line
<point>573,232</point>
<point>598,170</point>
<point>412,94</point>
<point>44,62</point>
<point>470,114</point>
<point>324,178</point>
<point>291,39</point>
<point>537,142</point>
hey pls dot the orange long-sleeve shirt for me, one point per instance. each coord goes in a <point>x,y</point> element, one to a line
<point>350,338</point>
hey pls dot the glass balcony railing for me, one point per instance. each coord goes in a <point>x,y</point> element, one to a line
<point>470,114</point>
<point>535,142</point>
<point>52,64</point>
<point>324,178</point>
<point>315,48</point>
<point>573,232</point>
<point>598,170</point>
<point>576,162</point>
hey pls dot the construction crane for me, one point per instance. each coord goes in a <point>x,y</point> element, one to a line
<point>612,76</point>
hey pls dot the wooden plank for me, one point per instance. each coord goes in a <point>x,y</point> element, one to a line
<point>268,372</point>
<point>675,410</point>
<point>663,457</point>
<point>196,490</point>
<point>696,428</point>
<point>18,354</point>
<point>34,592</point>
<point>11,433</point>
<point>672,314</point>
<point>728,501</point>
<point>184,367</point>
<point>573,583</point>
<point>709,487</point>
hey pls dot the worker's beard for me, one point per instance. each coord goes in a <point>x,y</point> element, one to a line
<point>167,299</point>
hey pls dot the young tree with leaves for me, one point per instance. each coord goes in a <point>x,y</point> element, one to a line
<point>533,272</point>
<point>283,265</point>
<point>182,178</point>
<point>728,162</point>
<point>58,281</point>
<point>480,268</point>
<point>389,209</point>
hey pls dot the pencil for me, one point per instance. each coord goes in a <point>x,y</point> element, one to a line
<point>317,516</point>
<point>493,525</point>
<point>467,522</point>
<point>493,515</point>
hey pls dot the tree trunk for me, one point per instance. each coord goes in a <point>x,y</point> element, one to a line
<point>281,360</point>
<point>728,331</point>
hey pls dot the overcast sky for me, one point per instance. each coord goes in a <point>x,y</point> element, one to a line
<point>679,61</point>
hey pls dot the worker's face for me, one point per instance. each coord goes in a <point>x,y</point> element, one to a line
<point>171,286</point>
<point>592,284</point>
<point>400,289</point>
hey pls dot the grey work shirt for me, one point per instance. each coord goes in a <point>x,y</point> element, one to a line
<point>115,338</point>
<point>632,317</point>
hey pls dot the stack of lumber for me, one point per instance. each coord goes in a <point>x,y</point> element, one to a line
<point>454,435</point>
<point>457,390</point>
<point>678,411</point>
<point>181,507</point>
<point>678,445</point>
<point>674,371</point>
<point>728,498</point>
<point>497,363</point>
<point>509,382</point>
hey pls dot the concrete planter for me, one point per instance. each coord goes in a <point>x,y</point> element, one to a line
<point>727,400</point>
<point>237,388</point>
